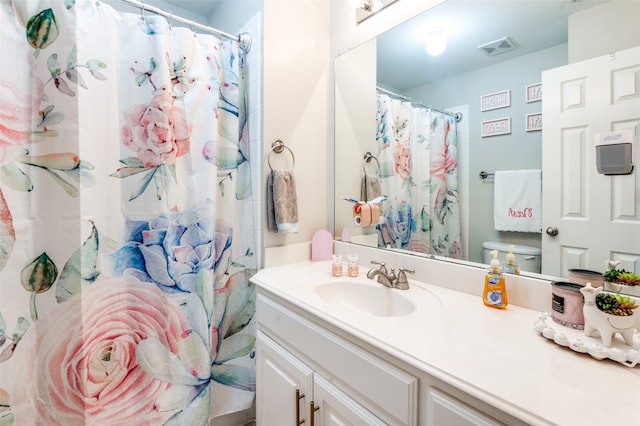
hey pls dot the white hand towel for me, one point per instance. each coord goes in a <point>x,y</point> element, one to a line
<point>517,200</point>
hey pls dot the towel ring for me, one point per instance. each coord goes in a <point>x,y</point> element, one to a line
<point>367,159</point>
<point>278,147</point>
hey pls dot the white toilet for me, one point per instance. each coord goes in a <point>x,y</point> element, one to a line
<point>528,258</point>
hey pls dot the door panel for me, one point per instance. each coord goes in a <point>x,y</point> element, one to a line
<point>598,216</point>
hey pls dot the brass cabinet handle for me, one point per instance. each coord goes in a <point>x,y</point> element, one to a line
<point>299,396</point>
<point>314,408</point>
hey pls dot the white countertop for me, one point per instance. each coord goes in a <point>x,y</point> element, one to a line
<point>494,355</point>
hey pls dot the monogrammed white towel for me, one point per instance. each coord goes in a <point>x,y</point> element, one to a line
<point>517,200</point>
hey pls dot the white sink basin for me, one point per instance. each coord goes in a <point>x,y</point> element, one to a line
<point>372,298</point>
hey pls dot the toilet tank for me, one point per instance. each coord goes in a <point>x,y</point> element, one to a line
<point>528,258</point>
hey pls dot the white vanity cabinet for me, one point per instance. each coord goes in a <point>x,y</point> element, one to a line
<point>310,371</point>
<point>290,393</point>
<point>342,384</point>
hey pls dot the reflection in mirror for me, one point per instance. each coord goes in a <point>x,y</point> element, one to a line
<point>417,150</point>
<point>500,48</point>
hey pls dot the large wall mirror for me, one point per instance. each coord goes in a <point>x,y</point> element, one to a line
<point>491,71</point>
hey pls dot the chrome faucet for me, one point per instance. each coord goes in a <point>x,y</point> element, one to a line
<point>383,277</point>
<point>389,279</point>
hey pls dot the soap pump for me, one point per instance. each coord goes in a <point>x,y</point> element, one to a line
<point>352,268</point>
<point>495,289</point>
<point>511,266</point>
<point>336,266</point>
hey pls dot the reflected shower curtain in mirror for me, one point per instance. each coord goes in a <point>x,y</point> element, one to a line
<point>126,222</point>
<point>417,150</point>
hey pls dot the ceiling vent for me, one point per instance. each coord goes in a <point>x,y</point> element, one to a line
<point>497,47</point>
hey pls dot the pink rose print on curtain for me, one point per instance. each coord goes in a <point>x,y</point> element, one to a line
<point>80,367</point>
<point>159,133</point>
<point>402,156</point>
<point>443,161</point>
<point>20,106</point>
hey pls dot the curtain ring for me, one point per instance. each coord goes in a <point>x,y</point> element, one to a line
<point>142,10</point>
<point>171,21</point>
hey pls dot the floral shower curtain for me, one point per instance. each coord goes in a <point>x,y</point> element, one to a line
<point>417,151</point>
<point>126,222</point>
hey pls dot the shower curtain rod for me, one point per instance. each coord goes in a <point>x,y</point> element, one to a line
<point>456,115</point>
<point>243,39</point>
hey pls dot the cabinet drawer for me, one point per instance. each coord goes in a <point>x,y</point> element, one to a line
<point>385,390</point>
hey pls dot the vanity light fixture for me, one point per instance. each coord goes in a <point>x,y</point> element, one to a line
<point>366,8</point>
<point>366,5</point>
<point>436,42</point>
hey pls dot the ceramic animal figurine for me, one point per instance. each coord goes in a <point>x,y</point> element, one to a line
<point>611,264</point>
<point>606,324</point>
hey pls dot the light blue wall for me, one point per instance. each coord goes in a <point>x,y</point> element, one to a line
<point>519,150</point>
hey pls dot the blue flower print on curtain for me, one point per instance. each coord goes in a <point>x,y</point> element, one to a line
<point>170,250</point>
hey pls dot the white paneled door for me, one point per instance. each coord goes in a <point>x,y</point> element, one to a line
<point>597,217</point>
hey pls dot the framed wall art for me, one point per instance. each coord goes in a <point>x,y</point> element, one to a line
<point>495,100</point>
<point>533,122</point>
<point>533,92</point>
<point>500,126</point>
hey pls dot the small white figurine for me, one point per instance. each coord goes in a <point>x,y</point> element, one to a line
<point>611,264</point>
<point>606,324</point>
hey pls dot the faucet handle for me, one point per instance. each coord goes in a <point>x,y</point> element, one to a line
<point>392,275</point>
<point>403,283</point>
<point>383,266</point>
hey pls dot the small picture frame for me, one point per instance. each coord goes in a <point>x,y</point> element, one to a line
<point>533,122</point>
<point>495,100</point>
<point>533,92</point>
<point>500,126</point>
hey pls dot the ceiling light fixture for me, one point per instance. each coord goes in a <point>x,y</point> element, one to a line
<point>435,43</point>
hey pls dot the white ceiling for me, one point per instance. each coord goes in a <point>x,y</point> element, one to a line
<point>532,24</point>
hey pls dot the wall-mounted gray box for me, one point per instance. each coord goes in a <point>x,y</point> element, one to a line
<point>614,153</point>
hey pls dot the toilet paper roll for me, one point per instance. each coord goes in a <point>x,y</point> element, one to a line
<point>375,214</point>
<point>365,214</point>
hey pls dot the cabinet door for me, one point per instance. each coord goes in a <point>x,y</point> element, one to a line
<point>337,408</point>
<point>443,409</point>
<point>278,376</point>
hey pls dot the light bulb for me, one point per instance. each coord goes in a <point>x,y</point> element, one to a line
<point>435,43</point>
